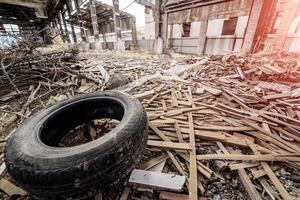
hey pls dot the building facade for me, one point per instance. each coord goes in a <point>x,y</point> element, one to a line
<point>223,26</point>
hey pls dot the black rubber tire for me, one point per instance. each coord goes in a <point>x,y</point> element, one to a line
<point>78,172</point>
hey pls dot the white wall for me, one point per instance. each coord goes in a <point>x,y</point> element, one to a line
<point>195,29</point>
<point>241,26</point>
<point>177,30</point>
<point>214,27</point>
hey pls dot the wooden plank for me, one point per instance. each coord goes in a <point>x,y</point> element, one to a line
<point>211,90</point>
<point>174,102</point>
<point>169,145</point>
<point>152,99</point>
<point>153,162</point>
<point>126,192</point>
<point>180,111</point>
<point>177,164</point>
<point>270,191</point>
<point>248,185</point>
<point>164,105</point>
<point>200,167</point>
<point>219,136</point>
<point>144,95</point>
<point>2,169</point>
<point>10,188</point>
<point>267,157</point>
<point>240,72</point>
<point>158,132</point>
<point>98,196</point>
<point>178,132</point>
<point>277,96</point>
<point>273,138</point>
<point>261,172</point>
<point>285,195</point>
<point>172,196</point>
<point>236,166</point>
<point>225,128</point>
<point>193,180</point>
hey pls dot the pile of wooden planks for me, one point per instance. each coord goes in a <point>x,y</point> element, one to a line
<point>253,125</point>
<point>214,120</point>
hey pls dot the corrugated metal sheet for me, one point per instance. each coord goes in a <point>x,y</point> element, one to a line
<point>186,45</point>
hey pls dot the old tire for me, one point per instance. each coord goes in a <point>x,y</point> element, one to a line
<point>50,172</point>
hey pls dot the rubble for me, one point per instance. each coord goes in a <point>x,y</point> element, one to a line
<point>238,114</point>
<point>228,114</point>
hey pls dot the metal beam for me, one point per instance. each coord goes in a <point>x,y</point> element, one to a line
<point>146,3</point>
<point>25,3</point>
<point>72,26</point>
<point>94,19</point>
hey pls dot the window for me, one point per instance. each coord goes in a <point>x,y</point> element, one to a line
<point>186,29</point>
<point>229,26</point>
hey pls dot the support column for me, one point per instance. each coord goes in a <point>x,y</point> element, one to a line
<point>104,36</point>
<point>252,25</point>
<point>95,23</point>
<point>171,36</point>
<point>82,33</point>
<point>65,27</point>
<point>159,42</point>
<point>60,28</point>
<point>120,44</point>
<point>203,32</point>
<point>289,14</point>
<point>71,24</point>
<point>44,32</point>
<point>133,32</point>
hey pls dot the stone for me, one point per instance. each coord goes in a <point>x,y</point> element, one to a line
<point>116,80</point>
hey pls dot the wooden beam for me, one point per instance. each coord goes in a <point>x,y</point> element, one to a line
<point>273,178</point>
<point>193,180</point>
<point>248,185</point>
<point>267,157</point>
<point>168,145</point>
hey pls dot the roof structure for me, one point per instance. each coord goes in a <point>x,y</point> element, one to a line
<point>104,14</point>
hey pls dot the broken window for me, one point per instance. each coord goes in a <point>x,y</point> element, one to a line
<point>186,29</point>
<point>229,26</point>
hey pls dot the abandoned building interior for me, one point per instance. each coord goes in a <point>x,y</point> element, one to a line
<point>150,99</point>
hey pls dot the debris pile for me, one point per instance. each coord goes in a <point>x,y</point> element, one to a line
<point>230,120</point>
<point>219,122</point>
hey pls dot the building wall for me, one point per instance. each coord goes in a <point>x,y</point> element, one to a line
<point>216,43</point>
<point>228,9</point>
<point>217,14</point>
<point>195,29</point>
